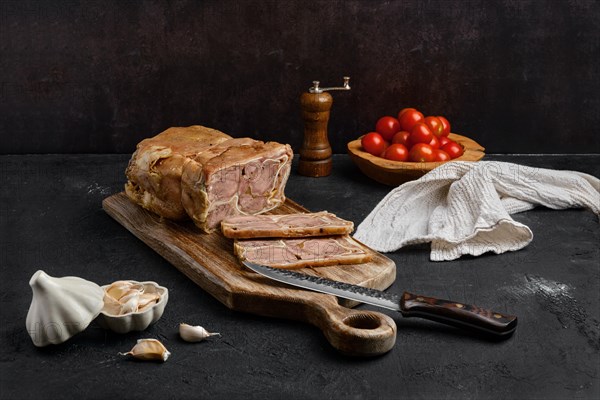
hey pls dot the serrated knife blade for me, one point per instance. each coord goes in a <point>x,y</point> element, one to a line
<point>409,305</point>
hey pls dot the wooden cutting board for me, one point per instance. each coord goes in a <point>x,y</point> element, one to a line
<point>208,260</point>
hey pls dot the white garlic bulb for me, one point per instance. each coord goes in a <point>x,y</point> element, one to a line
<point>194,333</point>
<point>148,350</point>
<point>61,307</point>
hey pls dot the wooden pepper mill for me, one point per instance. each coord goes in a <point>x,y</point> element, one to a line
<point>315,153</point>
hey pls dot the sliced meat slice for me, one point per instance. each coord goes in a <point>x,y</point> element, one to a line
<point>298,253</point>
<point>285,226</point>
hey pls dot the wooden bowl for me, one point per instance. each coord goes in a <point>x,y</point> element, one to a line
<point>395,173</point>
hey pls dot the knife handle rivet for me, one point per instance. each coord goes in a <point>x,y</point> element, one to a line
<point>419,299</point>
<point>458,305</point>
<point>497,316</point>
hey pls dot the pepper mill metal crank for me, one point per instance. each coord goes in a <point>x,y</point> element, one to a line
<point>315,153</point>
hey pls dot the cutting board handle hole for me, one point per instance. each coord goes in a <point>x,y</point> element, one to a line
<point>363,321</point>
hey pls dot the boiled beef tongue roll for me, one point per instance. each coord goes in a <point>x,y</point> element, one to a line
<point>285,225</point>
<point>204,174</point>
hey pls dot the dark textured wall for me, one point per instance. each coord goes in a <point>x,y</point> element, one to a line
<point>98,76</point>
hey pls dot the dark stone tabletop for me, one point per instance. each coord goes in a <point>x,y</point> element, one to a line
<point>51,218</point>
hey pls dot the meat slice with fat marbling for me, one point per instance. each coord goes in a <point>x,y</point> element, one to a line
<point>304,252</point>
<point>285,225</point>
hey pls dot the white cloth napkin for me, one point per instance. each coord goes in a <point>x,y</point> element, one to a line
<point>464,207</point>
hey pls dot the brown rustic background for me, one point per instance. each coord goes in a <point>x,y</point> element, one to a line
<point>98,76</point>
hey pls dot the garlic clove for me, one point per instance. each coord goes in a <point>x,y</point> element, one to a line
<point>117,289</point>
<point>139,287</point>
<point>148,350</point>
<point>196,333</point>
<point>129,306</point>
<point>111,306</point>
<point>147,300</point>
<point>132,293</point>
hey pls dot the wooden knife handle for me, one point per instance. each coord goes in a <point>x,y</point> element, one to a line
<point>458,314</point>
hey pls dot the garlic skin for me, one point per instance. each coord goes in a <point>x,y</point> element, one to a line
<point>193,334</point>
<point>61,307</point>
<point>148,350</point>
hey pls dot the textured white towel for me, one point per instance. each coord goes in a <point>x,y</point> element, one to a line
<point>464,207</point>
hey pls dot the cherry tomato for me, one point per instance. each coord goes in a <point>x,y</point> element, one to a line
<point>446,124</point>
<point>443,140</point>
<point>409,118</point>
<point>373,143</point>
<point>403,111</point>
<point>386,144</point>
<point>453,149</point>
<point>396,152</point>
<point>435,142</point>
<point>435,124</point>
<point>420,133</point>
<point>387,127</point>
<point>421,152</point>
<point>402,138</point>
<point>440,155</point>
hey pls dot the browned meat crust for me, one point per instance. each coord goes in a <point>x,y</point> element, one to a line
<point>154,171</point>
